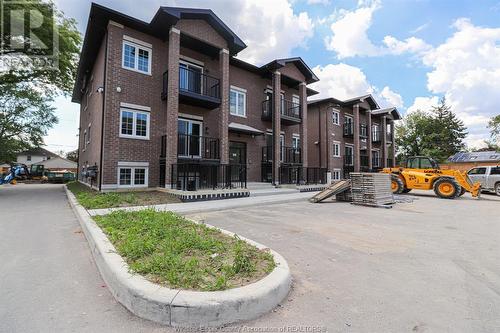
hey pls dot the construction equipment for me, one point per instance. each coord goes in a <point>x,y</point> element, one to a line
<point>19,171</point>
<point>423,173</point>
<point>333,189</point>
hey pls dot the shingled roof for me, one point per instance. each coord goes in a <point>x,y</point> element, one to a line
<point>480,156</point>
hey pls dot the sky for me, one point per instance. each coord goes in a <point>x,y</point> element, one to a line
<point>407,53</point>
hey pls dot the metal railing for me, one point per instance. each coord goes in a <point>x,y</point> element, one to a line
<point>376,162</point>
<point>194,176</point>
<point>193,147</point>
<point>195,82</point>
<point>348,129</point>
<point>302,176</point>
<point>288,109</point>
<point>289,155</point>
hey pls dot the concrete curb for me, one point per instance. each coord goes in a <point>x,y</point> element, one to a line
<point>181,307</point>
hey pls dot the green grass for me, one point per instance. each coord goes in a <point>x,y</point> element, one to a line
<point>91,199</point>
<point>173,251</point>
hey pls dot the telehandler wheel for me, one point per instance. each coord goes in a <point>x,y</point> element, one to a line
<point>397,185</point>
<point>462,191</point>
<point>447,188</point>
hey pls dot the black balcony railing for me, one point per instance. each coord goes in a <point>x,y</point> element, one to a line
<point>289,174</point>
<point>376,135</point>
<point>194,176</point>
<point>376,162</point>
<point>288,155</point>
<point>347,170</point>
<point>289,110</point>
<point>363,131</point>
<point>390,162</point>
<point>363,159</point>
<point>348,129</point>
<point>194,82</point>
<point>193,147</point>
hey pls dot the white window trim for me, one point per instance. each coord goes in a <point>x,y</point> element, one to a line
<point>191,61</point>
<point>334,111</point>
<point>336,143</point>
<point>135,106</point>
<point>192,121</point>
<point>134,123</point>
<point>339,173</point>
<point>244,93</point>
<point>137,41</point>
<point>136,60</point>
<point>133,166</point>
<point>88,134</point>
<point>84,139</point>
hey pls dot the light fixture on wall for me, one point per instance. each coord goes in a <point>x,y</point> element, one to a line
<point>100,90</point>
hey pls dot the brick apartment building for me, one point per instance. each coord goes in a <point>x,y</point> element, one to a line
<point>351,135</point>
<point>166,103</point>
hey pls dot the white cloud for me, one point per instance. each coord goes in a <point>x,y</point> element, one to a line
<point>318,2</point>
<point>350,35</point>
<point>420,28</point>
<point>393,98</point>
<point>343,81</point>
<point>423,104</point>
<point>466,70</point>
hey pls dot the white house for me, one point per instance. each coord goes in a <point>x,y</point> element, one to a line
<point>35,155</point>
<point>58,163</point>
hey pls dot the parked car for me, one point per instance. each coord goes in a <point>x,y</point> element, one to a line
<point>488,176</point>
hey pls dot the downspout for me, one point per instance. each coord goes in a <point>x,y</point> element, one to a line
<point>319,139</point>
<point>328,135</point>
<point>103,109</point>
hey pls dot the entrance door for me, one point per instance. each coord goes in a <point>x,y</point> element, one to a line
<point>237,152</point>
<point>349,155</point>
<point>190,77</point>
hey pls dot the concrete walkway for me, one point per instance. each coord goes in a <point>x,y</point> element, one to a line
<point>48,281</point>
<point>216,205</point>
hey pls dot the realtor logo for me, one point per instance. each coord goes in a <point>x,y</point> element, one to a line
<point>29,36</point>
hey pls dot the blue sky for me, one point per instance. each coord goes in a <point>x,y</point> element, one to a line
<point>407,53</point>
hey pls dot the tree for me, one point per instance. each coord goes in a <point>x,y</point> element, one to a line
<point>25,118</point>
<point>494,127</point>
<point>27,91</point>
<point>72,155</point>
<point>437,133</point>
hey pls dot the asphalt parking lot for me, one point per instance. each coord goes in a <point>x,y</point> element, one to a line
<point>431,265</point>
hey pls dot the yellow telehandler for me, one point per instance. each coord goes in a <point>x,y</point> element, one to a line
<point>423,173</point>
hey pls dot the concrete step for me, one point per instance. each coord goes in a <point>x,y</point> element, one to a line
<point>259,186</point>
<point>272,191</point>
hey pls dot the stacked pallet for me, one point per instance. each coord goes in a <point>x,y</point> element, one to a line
<point>371,189</point>
<point>335,188</point>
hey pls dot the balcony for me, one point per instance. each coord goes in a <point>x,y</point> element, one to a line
<point>376,162</point>
<point>289,155</point>
<point>193,147</point>
<point>376,136</point>
<point>195,88</point>
<point>348,130</point>
<point>193,176</point>
<point>291,113</point>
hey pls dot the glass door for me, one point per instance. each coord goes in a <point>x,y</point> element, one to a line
<point>190,77</point>
<point>189,139</point>
<point>349,157</point>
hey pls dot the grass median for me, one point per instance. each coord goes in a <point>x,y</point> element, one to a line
<point>92,199</point>
<point>172,251</point>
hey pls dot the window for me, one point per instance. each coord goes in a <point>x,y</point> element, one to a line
<point>295,108</point>
<point>336,149</point>
<point>28,158</point>
<point>132,176</point>
<point>88,134</point>
<point>478,171</point>
<point>375,133</point>
<point>84,139</point>
<point>376,158</point>
<point>349,155</point>
<point>336,117</point>
<point>136,57</point>
<point>363,130</point>
<point>296,142</point>
<point>336,174</point>
<point>495,171</point>
<point>237,102</point>
<point>134,124</point>
<point>189,138</point>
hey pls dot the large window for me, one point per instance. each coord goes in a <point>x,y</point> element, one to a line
<point>136,57</point>
<point>336,149</point>
<point>134,124</point>
<point>296,141</point>
<point>237,102</point>
<point>336,174</point>
<point>133,176</point>
<point>477,171</point>
<point>376,158</point>
<point>349,155</point>
<point>190,77</point>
